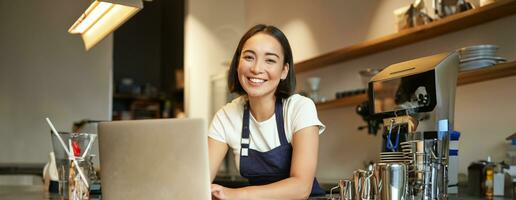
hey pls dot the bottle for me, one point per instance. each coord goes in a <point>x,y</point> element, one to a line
<point>489,183</point>
<point>489,179</point>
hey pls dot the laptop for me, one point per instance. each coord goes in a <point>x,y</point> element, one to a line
<point>154,159</point>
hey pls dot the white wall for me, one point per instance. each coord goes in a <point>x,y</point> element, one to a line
<point>45,72</point>
<point>484,111</point>
<point>212,31</point>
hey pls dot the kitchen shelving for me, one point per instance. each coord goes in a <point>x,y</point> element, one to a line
<point>489,73</point>
<point>459,21</point>
<point>467,77</point>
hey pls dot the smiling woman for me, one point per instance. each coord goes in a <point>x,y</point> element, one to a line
<point>261,66</point>
<point>272,132</point>
<point>273,46</point>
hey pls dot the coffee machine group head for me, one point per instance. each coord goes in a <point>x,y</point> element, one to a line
<point>415,99</point>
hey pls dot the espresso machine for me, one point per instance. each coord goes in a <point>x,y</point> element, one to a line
<point>415,101</point>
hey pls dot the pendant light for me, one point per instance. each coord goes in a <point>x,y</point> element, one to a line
<point>102,17</point>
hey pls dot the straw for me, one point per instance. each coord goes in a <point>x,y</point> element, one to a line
<point>92,139</point>
<point>70,155</point>
<point>70,147</point>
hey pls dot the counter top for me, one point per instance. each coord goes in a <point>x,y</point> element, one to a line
<point>238,181</point>
<point>35,192</point>
<point>27,168</point>
<point>28,192</point>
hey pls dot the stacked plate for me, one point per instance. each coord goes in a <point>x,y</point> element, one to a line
<point>411,146</point>
<point>479,56</point>
<point>389,157</point>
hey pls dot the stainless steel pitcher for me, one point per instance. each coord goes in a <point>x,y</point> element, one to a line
<point>366,185</point>
<point>393,180</point>
<point>346,189</point>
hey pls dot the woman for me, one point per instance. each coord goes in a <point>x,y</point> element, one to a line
<point>272,132</point>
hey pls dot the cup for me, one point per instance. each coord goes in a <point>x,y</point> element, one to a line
<point>70,180</point>
<point>366,75</point>
<point>313,83</point>
<point>62,162</point>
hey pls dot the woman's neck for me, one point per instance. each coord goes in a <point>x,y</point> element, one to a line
<point>262,108</point>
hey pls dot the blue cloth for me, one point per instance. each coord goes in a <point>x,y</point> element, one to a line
<point>262,168</point>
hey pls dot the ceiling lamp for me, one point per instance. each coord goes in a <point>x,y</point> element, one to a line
<point>102,17</point>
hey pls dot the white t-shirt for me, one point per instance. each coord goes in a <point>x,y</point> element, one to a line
<point>298,112</point>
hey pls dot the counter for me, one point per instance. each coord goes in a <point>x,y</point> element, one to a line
<point>35,192</point>
<point>28,192</point>
<point>19,169</point>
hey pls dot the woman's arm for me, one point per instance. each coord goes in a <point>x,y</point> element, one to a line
<point>305,144</point>
<point>217,150</point>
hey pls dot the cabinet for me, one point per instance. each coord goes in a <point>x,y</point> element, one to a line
<point>470,18</point>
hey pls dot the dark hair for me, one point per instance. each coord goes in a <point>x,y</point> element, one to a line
<point>287,86</point>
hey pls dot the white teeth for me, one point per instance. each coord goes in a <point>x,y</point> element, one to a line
<point>255,80</point>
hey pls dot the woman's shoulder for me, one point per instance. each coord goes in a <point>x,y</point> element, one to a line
<point>297,100</point>
<point>235,106</point>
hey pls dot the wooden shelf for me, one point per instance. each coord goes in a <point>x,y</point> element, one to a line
<point>489,73</point>
<point>342,102</point>
<point>467,77</point>
<point>439,27</point>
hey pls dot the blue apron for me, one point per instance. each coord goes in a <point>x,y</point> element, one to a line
<point>262,168</point>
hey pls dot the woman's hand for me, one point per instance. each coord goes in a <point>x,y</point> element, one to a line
<point>219,192</point>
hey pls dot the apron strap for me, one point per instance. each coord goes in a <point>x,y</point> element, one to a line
<point>280,125</point>
<point>244,143</point>
<point>278,112</point>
